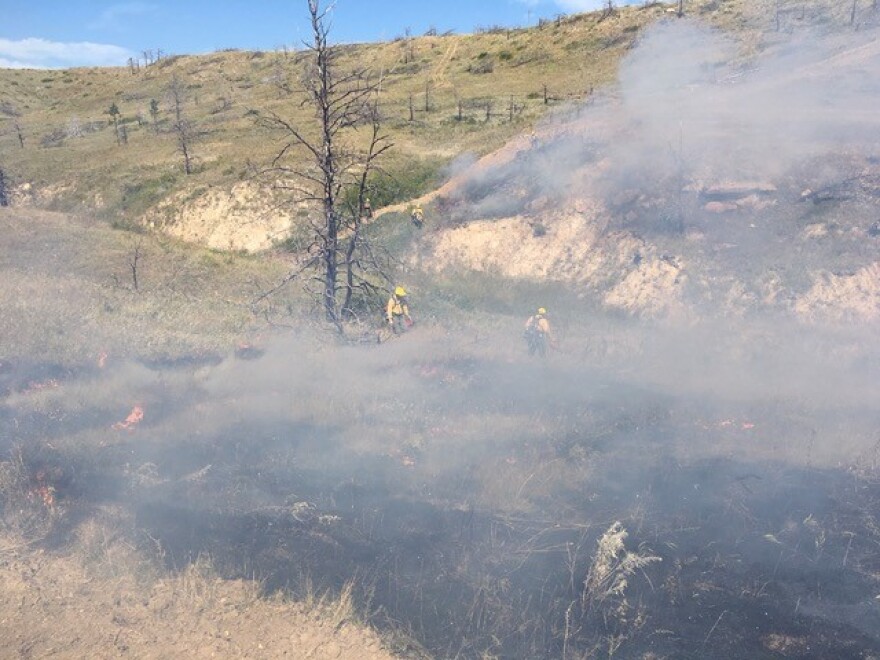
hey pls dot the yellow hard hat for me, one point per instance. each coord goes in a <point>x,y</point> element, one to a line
<point>400,292</point>
<point>542,311</point>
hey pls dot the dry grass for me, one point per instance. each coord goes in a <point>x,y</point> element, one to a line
<point>86,169</point>
<point>83,304</point>
<point>611,570</point>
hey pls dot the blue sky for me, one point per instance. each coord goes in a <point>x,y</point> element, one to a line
<point>62,33</point>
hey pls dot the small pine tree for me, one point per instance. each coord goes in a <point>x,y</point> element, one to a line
<point>114,113</point>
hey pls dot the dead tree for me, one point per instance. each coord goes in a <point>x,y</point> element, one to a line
<point>19,133</point>
<point>182,127</point>
<point>608,10</point>
<point>412,109</point>
<point>134,261</point>
<point>852,15</point>
<point>318,165</point>
<point>4,194</point>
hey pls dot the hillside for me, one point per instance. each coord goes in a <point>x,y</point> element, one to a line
<point>699,188</point>
<point>481,90</point>
<point>192,465</point>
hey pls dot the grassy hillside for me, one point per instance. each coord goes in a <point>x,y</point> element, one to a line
<point>186,464</point>
<point>480,90</point>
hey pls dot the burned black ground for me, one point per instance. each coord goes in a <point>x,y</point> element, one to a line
<point>482,544</point>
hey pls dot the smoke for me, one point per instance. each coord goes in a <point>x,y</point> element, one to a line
<point>684,91</point>
<point>458,478</point>
<point>692,108</point>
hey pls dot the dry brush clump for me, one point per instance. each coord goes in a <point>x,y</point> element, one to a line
<point>29,506</point>
<point>608,578</point>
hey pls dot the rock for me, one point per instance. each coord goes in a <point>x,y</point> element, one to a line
<point>737,190</point>
<point>754,203</point>
<point>720,207</point>
<point>816,231</point>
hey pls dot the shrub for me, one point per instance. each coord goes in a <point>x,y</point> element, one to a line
<point>483,66</point>
<point>403,183</point>
<point>54,138</point>
<point>140,195</point>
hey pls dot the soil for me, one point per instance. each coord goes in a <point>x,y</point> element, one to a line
<point>242,218</point>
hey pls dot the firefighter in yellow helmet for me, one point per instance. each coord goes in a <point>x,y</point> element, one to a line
<point>417,216</point>
<point>397,311</point>
<point>537,333</point>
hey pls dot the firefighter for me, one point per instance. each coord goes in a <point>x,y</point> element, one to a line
<point>397,311</point>
<point>537,333</point>
<point>417,216</point>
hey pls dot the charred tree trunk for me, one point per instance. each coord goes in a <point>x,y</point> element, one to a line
<point>327,165</point>
<point>378,145</point>
<point>4,195</point>
<point>182,127</point>
<point>330,175</point>
<point>133,263</point>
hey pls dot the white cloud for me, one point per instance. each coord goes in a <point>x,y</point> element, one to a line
<point>34,53</point>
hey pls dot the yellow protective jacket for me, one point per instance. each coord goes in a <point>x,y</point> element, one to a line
<point>396,307</point>
<point>539,324</point>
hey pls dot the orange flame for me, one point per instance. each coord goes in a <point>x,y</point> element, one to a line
<point>133,419</point>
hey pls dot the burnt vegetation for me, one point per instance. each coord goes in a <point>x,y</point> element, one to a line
<point>616,529</point>
<point>695,487</point>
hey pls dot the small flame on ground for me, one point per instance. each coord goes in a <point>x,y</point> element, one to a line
<point>133,419</point>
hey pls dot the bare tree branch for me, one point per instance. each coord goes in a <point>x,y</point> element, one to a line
<point>318,168</point>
